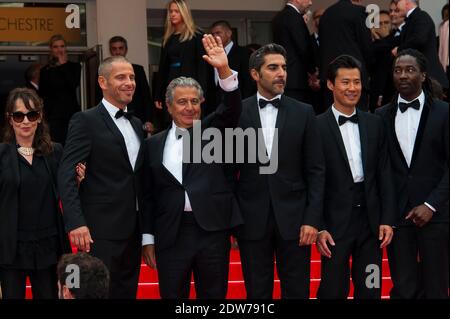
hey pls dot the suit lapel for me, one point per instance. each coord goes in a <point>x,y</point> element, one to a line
<point>393,114</point>
<point>420,132</point>
<point>115,131</point>
<point>281,117</point>
<point>337,135</point>
<point>363,135</point>
<point>160,154</point>
<point>139,132</point>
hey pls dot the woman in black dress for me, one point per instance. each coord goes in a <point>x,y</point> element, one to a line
<point>32,234</point>
<point>59,80</point>
<point>181,53</point>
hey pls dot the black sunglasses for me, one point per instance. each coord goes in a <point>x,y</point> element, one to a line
<point>32,116</point>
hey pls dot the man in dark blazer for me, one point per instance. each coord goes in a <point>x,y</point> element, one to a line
<point>419,33</point>
<point>359,204</point>
<point>282,209</point>
<point>290,31</point>
<point>238,60</point>
<point>417,129</point>
<point>189,206</point>
<point>142,103</point>
<point>343,30</point>
<point>102,217</point>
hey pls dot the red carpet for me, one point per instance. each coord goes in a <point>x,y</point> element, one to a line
<point>148,282</point>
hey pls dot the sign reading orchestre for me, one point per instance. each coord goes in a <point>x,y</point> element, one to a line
<point>38,24</point>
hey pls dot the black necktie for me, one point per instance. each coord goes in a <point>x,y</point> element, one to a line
<point>405,106</point>
<point>274,102</point>
<point>121,113</point>
<point>344,119</point>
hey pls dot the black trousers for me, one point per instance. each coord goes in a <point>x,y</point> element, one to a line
<point>419,263</point>
<point>44,283</point>
<point>204,254</point>
<point>123,260</point>
<point>293,265</point>
<point>363,247</point>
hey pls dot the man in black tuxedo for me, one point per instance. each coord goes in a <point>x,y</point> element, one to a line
<point>417,128</point>
<point>359,208</point>
<point>290,31</point>
<point>282,210</point>
<point>141,105</point>
<point>343,30</point>
<point>102,216</point>
<point>419,33</point>
<point>238,60</point>
<point>190,207</point>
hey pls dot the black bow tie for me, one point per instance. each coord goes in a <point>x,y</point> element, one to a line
<point>344,119</point>
<point>405,106</point>
<point>274,102</point>
<point>121,113</point>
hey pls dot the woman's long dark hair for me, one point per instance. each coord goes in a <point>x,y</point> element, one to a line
<point>42,142</point>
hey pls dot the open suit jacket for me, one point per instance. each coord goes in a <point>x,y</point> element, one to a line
<point>295,190</point>
<point>106,200</point>
<point>9,200</point>
<point>379,191</point>
<point>209,189</point>
<point>426,180</point>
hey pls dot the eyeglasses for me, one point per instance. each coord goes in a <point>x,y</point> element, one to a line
<point>32,116</point>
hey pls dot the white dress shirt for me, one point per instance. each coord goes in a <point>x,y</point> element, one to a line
<point>268,117</point>
<point>132,141</point>
<point>406,127</point>
<point>173,152</point>
<point>352,142</point>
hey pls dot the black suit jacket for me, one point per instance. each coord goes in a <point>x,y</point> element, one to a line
<point>106,199</point>
<point>58,88</point>
<point>142,103</point>
<point>295,190</point>
<point>210,191</point>
<point>419,33</point>
<point>290,30</point>
<point>9,200</point>
<point>379,191</point>
<point>238,58</point>
<point>343,30</point>
<point>192,65</point>
<point>426,180</point>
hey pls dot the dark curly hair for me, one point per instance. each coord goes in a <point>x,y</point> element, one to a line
<point>93,276</point>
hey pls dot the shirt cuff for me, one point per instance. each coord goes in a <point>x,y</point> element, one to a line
<point>430,207</point>
<point>231,83</point>
<point>148,239</point>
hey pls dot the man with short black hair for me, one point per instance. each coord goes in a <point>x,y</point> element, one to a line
<point>282,210</point>
<point>82,276</point>
<point>359,206</point>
